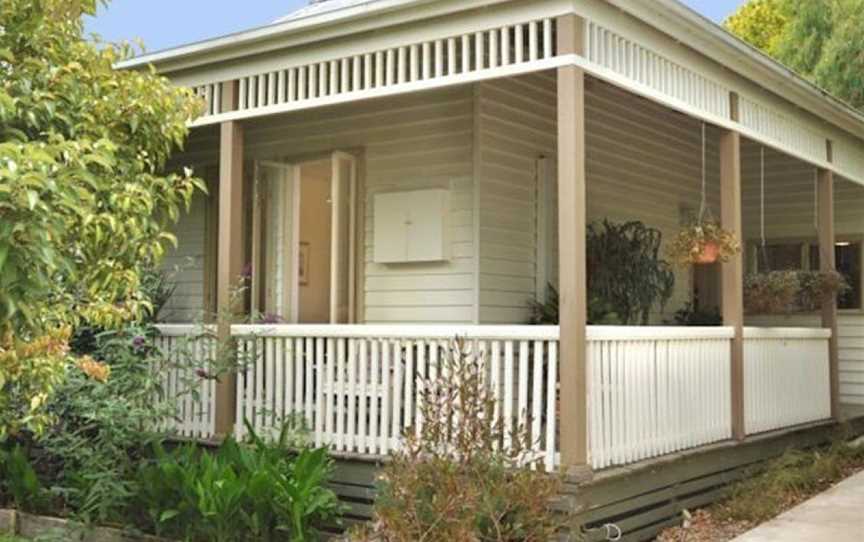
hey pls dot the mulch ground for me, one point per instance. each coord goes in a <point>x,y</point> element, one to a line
<point>713,524</point>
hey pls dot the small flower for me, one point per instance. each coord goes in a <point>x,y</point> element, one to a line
<point>96,370</point>
<point>270,319</point>
<point>246,273</point>
<point>204,375</point>
<point>138,342</point>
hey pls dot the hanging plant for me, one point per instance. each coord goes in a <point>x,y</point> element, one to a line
<point>774,292</point>
<point>703,242</point>
<point>815,287</point>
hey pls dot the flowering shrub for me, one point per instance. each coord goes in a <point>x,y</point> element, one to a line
<point>30,371</point>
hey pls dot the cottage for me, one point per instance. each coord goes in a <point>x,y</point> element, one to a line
<point>393,173</point>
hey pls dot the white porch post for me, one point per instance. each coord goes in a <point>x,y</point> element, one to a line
<point>732,274</point>
<point>230,248</point>
<point>571,240</point>
<point>825,206</point>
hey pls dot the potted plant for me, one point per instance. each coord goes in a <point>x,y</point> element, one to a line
<point>772,292</point>
<point>703,242</point>
<point>817,286</point>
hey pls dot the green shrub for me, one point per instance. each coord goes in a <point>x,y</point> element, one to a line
<point>239,492</point>
<point>457,481</point>
<point>107,413</point>
<point>19,483</point>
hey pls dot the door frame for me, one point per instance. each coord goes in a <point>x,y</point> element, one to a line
<point>291,289</point>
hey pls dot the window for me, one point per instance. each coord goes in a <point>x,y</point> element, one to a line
<point>848,262</point>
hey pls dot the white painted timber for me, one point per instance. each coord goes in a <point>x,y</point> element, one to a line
<point>373,73</point>
<point>188,353</point>
<point>656,390</point>
<point>367,389</point>
<point>850,342</point>
<point>786,377</point>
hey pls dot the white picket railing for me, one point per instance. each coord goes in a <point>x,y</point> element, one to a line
<point>190,350</point>
<point>656,390</point>
<point>786,377</point>
<point>651,390</point>
<point>357,387</point>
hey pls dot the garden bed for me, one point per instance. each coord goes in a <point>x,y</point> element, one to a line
<point>32,526</point>
<point>782,484</point>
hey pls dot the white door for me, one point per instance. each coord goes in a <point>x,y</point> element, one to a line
<point>343,195</point>
<point>275,244</point>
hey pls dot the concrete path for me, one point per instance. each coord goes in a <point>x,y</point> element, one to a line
<point>836,515</point>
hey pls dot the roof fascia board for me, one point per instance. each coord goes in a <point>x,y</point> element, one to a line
<point>371,42</point>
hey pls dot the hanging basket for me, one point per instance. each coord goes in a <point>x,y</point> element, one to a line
<point>708,253</point>
<point>774,292</point>
<point>817,287</point>
<point>703,243</point>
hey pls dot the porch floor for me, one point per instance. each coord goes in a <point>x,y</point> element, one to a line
<point>832,515</point>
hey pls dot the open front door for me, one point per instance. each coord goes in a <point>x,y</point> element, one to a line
<point>343,196</point>
<point>275,246</point>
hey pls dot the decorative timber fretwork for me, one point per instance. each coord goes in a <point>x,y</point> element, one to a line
<point>455,58</point>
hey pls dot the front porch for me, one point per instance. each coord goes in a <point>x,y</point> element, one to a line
<point>522,162</point>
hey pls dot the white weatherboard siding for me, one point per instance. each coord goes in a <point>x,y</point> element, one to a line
<point>643,164</point>
<point>516,126</point>
<point>789,198</point>
<point>185,265</point>
<point>410,142</point>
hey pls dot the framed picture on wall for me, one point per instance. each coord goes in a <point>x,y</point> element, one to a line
<point>304,263</point>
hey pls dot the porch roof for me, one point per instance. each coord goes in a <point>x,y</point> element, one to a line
<point>335,18</point>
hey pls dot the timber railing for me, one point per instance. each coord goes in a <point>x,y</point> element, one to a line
<point>656,390</point>
<point>786,377</point>
<point>652,391</point>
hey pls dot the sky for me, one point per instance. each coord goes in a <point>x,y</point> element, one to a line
<point>162,24</point>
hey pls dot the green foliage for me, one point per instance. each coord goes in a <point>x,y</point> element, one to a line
<point>820,40</point>
<point>106,415</point>
<point>19,483</point>
<point>690,315</point>
<point>625,271</point>
<point>82,148</point>
<point>239,492</point>
<point>546,313</point>
<point>84,200</point>
<point>29,373</point>
<point>457,481</point>
<point>758,22</point>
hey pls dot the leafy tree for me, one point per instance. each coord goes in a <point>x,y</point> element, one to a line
<point>758,22</point>
<point>84,200</point>
<point>820,40</point>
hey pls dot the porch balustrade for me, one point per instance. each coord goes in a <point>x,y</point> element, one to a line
<point>652,391</point>
<point>786,377</point>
